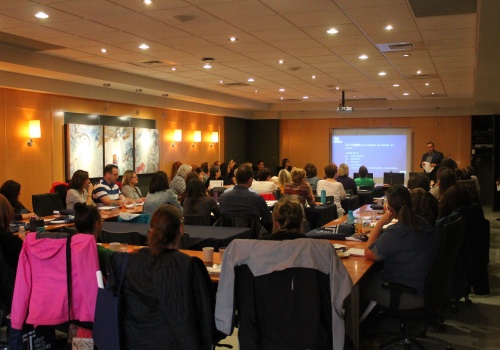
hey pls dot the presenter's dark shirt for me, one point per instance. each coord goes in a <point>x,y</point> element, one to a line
<point>241,202</point>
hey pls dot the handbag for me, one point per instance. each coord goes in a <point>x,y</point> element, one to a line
<point>76,329</point>
<point>107,313</point>
<point>31,338</point>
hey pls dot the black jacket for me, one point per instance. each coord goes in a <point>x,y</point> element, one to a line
<point>168,302</point>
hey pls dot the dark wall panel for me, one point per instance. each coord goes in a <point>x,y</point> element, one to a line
<point>263,142</point>
<point>235,139</point>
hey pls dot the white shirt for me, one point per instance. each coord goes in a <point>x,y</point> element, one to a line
<point>335,189</point>
<point>263,187</point>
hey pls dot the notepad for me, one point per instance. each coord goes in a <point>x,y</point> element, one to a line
<point>356,251</point>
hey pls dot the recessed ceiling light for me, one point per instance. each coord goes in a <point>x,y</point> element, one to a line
<point>281,98</point>
<point>432,93</point>
<point>281,90</point>
<point>406,55</point>
<point>305,97</point>
<point>173,68</point>
<point>103,50</point>
<point>427,84</point>
<point>363,57</point>
<point>337,88</point>
<point>395,85</point>
<point>41,15</point>
<point>354,96</point>
<point>313,77</point>
<point>251,80</point>
<point>419,72</point>
<point>221,81</point>
<point>405,94</point>
<point>389,27</point>
<point>382,73</point>
<point>143,47</point>
<point>332,31</point>
<point>233,39</point>
<point>148,2</point>
<point>281,61</point>
<point>256,91</point>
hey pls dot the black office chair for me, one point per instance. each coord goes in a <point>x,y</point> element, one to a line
<point>196,220</point>
<point>46,203</point>
<point>451,233</point>
<point>251,222</point>
<point>329,199</point>
<point>134,238</point>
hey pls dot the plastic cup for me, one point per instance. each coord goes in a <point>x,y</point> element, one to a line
<point>124,247</point>
<point>208,255</point>
<point>374,216</point>
<point>115,246</point>
<point>221,253</point>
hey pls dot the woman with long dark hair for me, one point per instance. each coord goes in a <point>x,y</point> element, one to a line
<point>12,191</point>
<point>159,193</point>
<point>197,201</point>
<point>80,190</point>
<point>408,249</point>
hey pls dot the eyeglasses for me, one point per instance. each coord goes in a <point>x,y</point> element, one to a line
<point>115,174</point>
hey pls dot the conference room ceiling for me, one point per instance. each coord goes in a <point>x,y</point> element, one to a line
<point>451,58</point>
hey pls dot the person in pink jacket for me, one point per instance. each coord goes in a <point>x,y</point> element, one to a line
<point>40,292</point>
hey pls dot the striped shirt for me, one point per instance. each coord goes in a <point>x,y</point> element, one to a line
<point>103,189</point>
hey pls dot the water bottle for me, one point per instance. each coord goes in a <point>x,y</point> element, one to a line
<point>350,218</point>
<point>323,197</point>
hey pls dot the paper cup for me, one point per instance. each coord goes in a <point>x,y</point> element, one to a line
<point>208,255</point>
<point>221,253</point>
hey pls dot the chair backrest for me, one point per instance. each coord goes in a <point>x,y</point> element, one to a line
<point>251,222</point>
<point>196,220</point>
<point>122,237</point>
<point>60,188</point>
<point>46,203</point>
<point>287,294</point>
<point>365,188</point>
<point>451,232</point>
<point>329,199</point>
<point>356,175</point>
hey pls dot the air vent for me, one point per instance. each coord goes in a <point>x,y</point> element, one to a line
<point>434,96</point>
<point>183,18</point>
<point>150,63</point>
<point>395,47</point>
<point>422,76</point>
<point>236,84</point>
<point>294,68</point>
<point>290,100</point>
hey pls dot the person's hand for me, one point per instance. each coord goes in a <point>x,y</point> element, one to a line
<point>90,188</point>
<point>386,218</point>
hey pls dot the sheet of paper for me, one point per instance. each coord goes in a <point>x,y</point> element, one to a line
<point>356,251</point>
<point>427,167</point>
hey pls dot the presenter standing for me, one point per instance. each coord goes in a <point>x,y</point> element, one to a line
<point>431,160</point>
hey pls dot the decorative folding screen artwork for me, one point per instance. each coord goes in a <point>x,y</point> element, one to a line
<point>119,147</point>
<point>147,153</point>
<point>84,147</point>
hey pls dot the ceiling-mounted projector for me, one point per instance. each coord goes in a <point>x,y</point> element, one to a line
<point>342,107</point>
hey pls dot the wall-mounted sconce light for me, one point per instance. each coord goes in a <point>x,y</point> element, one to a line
<point>215,138</point>
<point>34,131</point>
<point>177,136</point>
<point>196,137</point>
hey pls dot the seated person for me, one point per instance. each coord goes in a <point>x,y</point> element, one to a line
<point>288,220</point>
<point>80,189</point>
<point>197,201</point>
<point>241,202</point>
<point>129,186</point>
<point>214,175</point>
<point>88,220</point>
<point>363,180</point>
<point>167,296</point>
<point>312,176</point>
<point>424,204</point>
<point>107,192</point>
<point>332,187</point>
<point>178,184</point>
<point>343,177</point>
<point>10,244</point>
<point>408,249</point>
<point>263,184</point>
<point>300,187</point>
<point>12,191</point>
<point>419,180</point>
<point>159,193</point>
